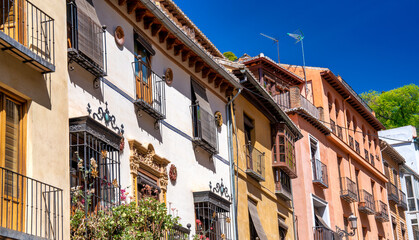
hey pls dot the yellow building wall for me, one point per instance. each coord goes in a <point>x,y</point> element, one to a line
<point>269,206</point>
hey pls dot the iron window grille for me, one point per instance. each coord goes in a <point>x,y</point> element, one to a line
<point>91,140</point>
<point>86,40</point>
<point>212,214</point>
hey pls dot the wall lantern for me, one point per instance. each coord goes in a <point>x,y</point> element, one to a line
<point>353,225</point>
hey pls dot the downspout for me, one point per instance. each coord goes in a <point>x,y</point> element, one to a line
<point>294,219</point>
<point>231,159</point>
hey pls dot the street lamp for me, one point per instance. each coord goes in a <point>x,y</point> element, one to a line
<point>353,225</point>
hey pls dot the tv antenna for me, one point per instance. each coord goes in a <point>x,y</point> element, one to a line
<point>275,41</point>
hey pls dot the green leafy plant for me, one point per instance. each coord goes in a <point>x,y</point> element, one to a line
<point>230,56</point>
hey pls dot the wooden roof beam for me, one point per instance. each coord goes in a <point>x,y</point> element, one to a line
<point>178,49</point>
<point>192,60</point>
<point>211,77</point>
<point>163,36</point>
<point>132,6</point>
<point>185,55</point>
<point>198,66</point>
<point>148,21</point>
<point>121,2</point>
<point>224,86</point>
<point>205,71</point>
<point>229,91</point>
<point>155,28</point>
<point>170,42</point>
<point>217,82</point>
<point>139,14</point>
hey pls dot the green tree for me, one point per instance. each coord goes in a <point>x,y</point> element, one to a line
<point>395,108</point>
<point>230,56</point>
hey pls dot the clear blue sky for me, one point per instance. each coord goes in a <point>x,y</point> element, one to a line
<point>372,44</point>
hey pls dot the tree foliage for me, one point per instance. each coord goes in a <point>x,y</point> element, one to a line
<point>230,56</point>
<point>395,108</point>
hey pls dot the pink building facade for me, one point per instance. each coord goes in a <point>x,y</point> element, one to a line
<point>340,170</point>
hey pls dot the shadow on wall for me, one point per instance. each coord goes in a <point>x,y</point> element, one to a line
<point>204,159</point>
<point>83,79</point>
<point>27,80</point>
<point>148,124</point>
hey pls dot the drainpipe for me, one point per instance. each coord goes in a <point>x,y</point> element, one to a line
<point>231,159</point>
<point>294,219</point>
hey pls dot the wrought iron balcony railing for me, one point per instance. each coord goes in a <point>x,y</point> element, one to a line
<point>27,33</point>
<point>351,141</point>
<point>403,200</point>
<point>333,126</point>
<point>366,203</point>
<point>322,233</point>
<point>339,131</point>
<point>392,192</point>
<point>382,212</point>
<point>320,173</point>
<point>309,107</point>
<point>177,233</point>
<point>283,191</point>
<point>357,149</point>
<point>255,162</point>
<point>29,208</point>
<point>151,93</point>
<point>349,191</point>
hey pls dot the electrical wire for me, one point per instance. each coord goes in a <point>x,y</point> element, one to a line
<point>329,123</point>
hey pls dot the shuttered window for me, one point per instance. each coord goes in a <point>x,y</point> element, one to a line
<point>11,140</point>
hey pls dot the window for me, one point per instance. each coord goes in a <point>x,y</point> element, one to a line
<point>283,228</point>
<point>212,214</point>
<point>11,134</point>
<point>85,37</point>
<point>147,186</point>
<point>410,194</point>
<point>283,149</point>
<point>89,140</point>
<point>204,127</point>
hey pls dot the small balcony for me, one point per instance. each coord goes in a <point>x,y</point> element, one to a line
<point>366,203</point>
<point>357,149</point>
<point>340,132</point>
<point>322,233</point>
<point>320,174</point>
<point>283,191</point>
<point>151,94</point>
<point>177,232</point>
<point>255,162</point>
<point>393,192</point>
<point>349,190</point>
<point>333,126</point>
<point>27,33</point>
<point>351,142</point>
<point>382,212</point>
<point>403,200</point>
<point>30,209</point>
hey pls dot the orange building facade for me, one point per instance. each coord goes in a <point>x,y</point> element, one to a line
<point>340,170</point>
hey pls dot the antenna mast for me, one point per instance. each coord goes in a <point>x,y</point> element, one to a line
<point>275,41</point>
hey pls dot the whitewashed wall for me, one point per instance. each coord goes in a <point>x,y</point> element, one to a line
<point>195,169</point>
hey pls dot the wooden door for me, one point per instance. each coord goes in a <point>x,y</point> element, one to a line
<point>144,76</point>
<point>12,183</point>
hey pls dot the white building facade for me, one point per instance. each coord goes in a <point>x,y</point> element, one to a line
<point>146,100</point>
<point>405,141</point>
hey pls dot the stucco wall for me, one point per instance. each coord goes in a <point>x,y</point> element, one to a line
<point>172,140</point>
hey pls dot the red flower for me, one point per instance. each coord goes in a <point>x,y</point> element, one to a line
<point>198,221</point>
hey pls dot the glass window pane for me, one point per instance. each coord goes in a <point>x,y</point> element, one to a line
<point>409,186</point>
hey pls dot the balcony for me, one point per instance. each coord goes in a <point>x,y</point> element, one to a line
<point>255,162</point>
<point>30,209</point>
<point>177,232</point>
<point>320,174</point>
<point>333,126</point>
<point>151,94</point>
<point>366,203</point>
<point>357,149</point>
<point>322,233</point>
<point>339,132</point>
<point>27,33</point>
<point>288,165</point>
<point>283,191</point>
<point>351,142</point>
<point>392,192</point>
<point>403,200</point>
<point>382,212</point>
<point>86,40</point>
<point>349,190</point>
